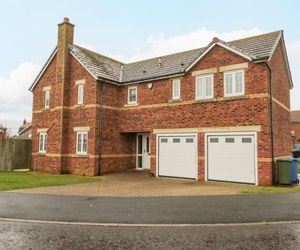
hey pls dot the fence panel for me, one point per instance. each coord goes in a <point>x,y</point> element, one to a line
<point>15,154</point>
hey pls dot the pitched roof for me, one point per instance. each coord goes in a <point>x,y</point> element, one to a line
<point>259,47</point>
<point>295,116</point>
<point>97,64</point>
<point>24,127</point>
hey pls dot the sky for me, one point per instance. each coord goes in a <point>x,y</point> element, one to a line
<point>129,30</point>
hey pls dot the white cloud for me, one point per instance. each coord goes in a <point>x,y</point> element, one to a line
<point>15,99</point>
<point>161,45</point>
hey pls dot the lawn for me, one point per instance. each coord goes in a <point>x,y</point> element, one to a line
<point>261,190</point>
<point>20,180</point>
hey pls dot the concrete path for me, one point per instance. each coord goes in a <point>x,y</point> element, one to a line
<point>152,210</point>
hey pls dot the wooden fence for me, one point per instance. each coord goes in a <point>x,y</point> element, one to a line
<point>15,154</point>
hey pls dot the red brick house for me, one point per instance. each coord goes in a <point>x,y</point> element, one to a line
<point>216,113</point>
<point>295,126</point>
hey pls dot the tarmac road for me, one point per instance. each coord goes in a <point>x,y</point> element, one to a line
<point>52,236</point>
<point>162,219</point>
<point>152,210</point>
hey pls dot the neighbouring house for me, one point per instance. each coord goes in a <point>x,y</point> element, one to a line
<point>25,130</point>
<point>3,134</point>
<point>295,126</point>
<point>221,112</point>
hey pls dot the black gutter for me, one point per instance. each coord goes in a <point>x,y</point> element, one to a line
<point>100,125</point>
<point>274,174</point>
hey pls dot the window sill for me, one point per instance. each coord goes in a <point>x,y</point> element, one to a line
<point>81,155</point>
<point>79,105</point>
<point>41,153</point>
<point>206,100</point>
<point>131,105</point>
<point>175,100</point>
<point>232,97</point>
<point>46,109</point>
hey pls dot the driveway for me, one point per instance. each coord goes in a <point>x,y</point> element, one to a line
<point>141,184</point>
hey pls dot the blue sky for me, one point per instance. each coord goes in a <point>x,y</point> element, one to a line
<point>129,30</point>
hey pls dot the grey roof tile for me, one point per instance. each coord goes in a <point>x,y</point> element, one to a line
<point>97,64</point>
<point>256,47</point>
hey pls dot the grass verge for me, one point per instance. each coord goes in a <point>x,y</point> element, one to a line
<point>263,190</point>
<point>21,180</point>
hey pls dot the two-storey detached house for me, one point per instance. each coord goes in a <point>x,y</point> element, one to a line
<point>216,113</point>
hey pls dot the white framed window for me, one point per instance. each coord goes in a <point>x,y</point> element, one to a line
<point>82,142</point>
<point>204,86</point>
<point>80,92</point>
<point>132,95</point>
<point>47,98</point>
<point>42,142</point>
<point>234,83</point>
<point>176,89</point>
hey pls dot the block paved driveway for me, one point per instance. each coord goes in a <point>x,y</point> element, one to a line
<point>141,184</point>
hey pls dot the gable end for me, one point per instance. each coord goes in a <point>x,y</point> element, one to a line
<point>43,69</point>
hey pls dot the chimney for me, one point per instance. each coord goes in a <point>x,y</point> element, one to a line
<point>215,40</point>
<point>63,61</point>
<point>65,34</point>
<point>65,38</point>
<point>24,121</point>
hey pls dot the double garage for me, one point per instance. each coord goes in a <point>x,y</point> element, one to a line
<point>228,156</point>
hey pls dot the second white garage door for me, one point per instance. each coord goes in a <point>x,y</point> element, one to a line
<point>231,157</point>
<point>177,156</point>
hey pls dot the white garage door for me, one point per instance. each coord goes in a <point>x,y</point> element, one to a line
<point>177,156</point>
<point>231,157</point>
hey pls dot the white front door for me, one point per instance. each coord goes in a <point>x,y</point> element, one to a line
<point>143,151</point>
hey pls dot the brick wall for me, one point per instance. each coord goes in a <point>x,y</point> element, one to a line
<point>117,132</point>
<point>75,116</point>
<point>281,115</point>
<point>155,111</point>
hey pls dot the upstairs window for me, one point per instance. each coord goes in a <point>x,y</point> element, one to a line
<point>204,86</point>
<point>42,142</point>
<point>47,98</point>
<point>176,89</point>
<point>132,95</point>
<point>234,83</point>
<point>82,142</point>
<point>80,91</point>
